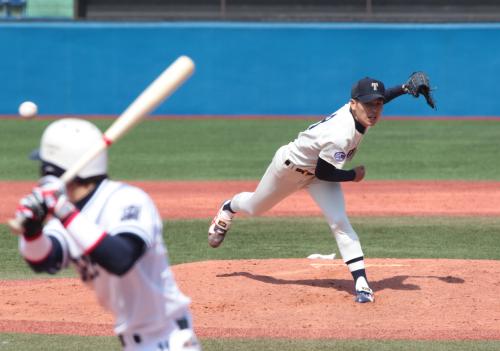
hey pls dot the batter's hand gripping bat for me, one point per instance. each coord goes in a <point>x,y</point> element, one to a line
<point>161,88</point>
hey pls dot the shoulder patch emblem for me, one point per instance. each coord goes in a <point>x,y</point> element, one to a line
<point>339,156</point>
<point>131,212</point>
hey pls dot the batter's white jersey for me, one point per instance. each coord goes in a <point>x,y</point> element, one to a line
<point>334,139</point>
<point>146,298</point>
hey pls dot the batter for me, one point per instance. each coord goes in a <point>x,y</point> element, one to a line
<point>111,233</point>
<point>315,161</point>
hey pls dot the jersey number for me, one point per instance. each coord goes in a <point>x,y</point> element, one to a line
<point>322,121</point>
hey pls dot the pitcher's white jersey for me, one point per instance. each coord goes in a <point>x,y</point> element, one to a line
<point>146,297</point>
<point>334,139</point>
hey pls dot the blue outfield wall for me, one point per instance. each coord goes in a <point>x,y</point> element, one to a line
<point>246,68</point>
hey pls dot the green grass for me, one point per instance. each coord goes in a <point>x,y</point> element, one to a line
<point>448,149</point>
<point>207,149</point>
<point>24,342</point>
<point>404,237</point>
<point>27,342</point>
<point>347,345</point>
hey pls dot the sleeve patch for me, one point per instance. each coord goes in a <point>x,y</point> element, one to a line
<point>339,156</point>
<point>130,213</point>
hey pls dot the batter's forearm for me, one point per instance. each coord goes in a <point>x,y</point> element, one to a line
<point>52,261</point>
<point>328,172</point>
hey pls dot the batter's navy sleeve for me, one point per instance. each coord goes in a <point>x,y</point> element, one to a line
<point>327,171</point>
<point>53,263</point>
<point>118,253</point>
<point>393,93</point>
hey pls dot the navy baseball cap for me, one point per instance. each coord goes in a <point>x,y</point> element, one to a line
<point>368,89</point>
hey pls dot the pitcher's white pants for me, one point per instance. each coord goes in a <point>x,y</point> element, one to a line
<point>280,181</point>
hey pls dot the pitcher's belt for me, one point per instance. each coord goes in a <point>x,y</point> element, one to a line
<point>297,169</point>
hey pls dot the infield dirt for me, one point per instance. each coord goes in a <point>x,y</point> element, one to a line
<point>415,299</point>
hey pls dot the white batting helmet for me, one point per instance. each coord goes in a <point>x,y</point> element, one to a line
<point>65,140</point>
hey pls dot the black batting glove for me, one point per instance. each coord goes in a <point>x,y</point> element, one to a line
<point>31,213</point>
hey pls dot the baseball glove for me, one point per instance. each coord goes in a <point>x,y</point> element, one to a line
<point>418,83</point>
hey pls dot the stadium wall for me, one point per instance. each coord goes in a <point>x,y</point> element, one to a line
<point>246,68</point>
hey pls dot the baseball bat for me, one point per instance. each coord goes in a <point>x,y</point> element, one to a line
<point>161,88</point>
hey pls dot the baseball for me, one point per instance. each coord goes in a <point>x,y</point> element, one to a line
<point>28,109</point>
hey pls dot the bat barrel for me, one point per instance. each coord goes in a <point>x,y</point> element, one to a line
<point>161,88</point>
<point>155,93</point>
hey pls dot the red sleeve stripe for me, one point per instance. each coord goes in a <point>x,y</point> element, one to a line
<point>70,219</point>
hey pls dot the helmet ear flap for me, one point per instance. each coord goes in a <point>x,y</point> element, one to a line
<point>47,168</point>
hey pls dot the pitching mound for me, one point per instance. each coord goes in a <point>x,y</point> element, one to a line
<point>290,298</point>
